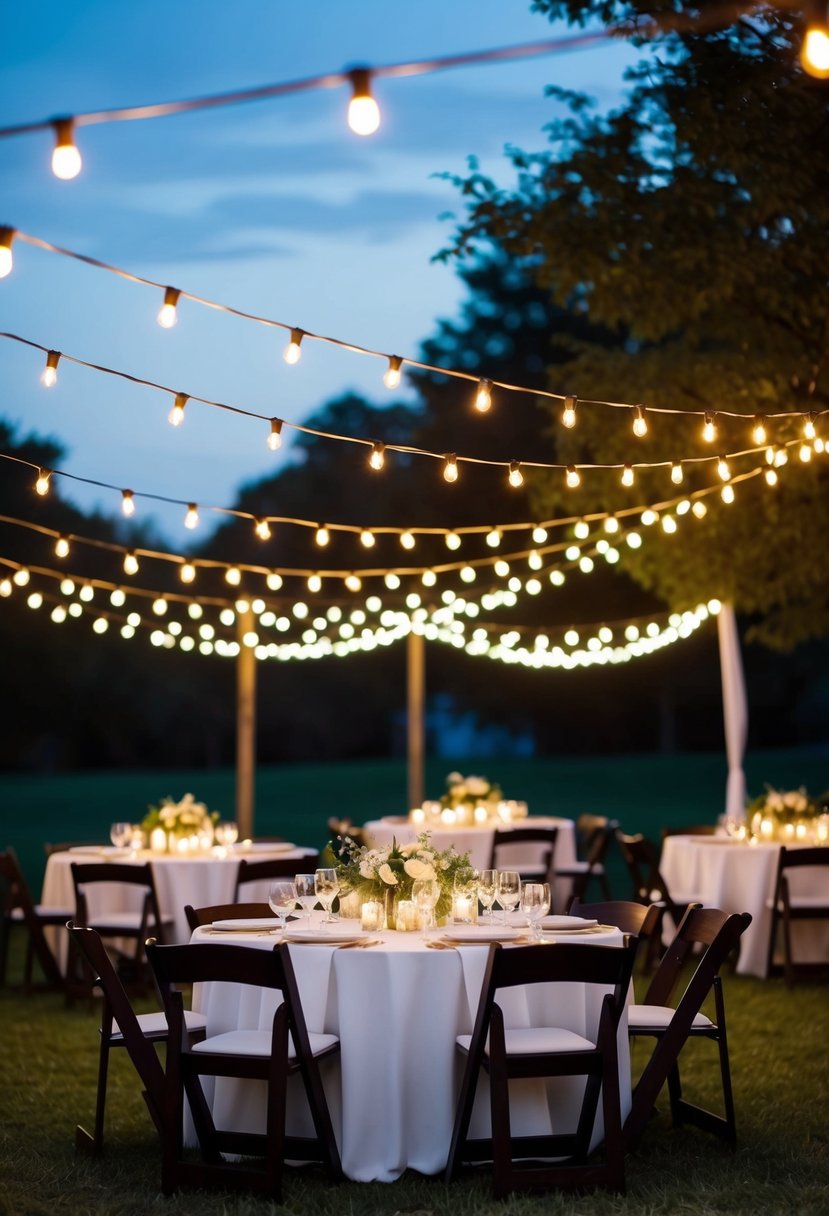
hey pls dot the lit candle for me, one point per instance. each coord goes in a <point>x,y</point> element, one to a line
<point>372,915</point>
<point>464,909</point>
<point>350,905</point>
<point>481,814</point>
<point>418,815</point>
<point>158,840</point>
<point>448,816</point>
<point>406,916</point>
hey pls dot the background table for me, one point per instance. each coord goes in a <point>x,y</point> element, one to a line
<point>739,877</point>
<point>397,1009</point>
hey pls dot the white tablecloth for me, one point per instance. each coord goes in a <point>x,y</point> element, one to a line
<point>179,880</point>
<point>740,877</point>
<point>397,1009</point>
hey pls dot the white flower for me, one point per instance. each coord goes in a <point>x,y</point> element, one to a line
<point>427,856</point>
<point>408,849</point>
<point>774,802</point>
<point>458,791</point>
<point>387,874</point>
<point>454,779</point>
<point>477,786</point>
<point>418,869</point>
<point>366,869</point>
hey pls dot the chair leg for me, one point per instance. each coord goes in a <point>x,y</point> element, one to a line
<point>460,1131</point>
<point>5,933</point>
<point>501,1133</point>
<point>788,961</point>
<point>675,1095</point>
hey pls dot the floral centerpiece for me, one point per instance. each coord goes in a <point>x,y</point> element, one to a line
<point>388,873</point>
<point>783,815</point>
<point>184,818</point>
<point>469,792</point>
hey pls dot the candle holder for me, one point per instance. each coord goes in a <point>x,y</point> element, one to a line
<point>373,915</point>
<point>464,908</point>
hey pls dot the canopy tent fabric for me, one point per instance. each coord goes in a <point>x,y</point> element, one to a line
<point>735,710</point>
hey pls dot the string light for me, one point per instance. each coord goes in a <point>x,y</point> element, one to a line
<point>176,414</point>
<point>66,159</point>
<point>699,509</point>
<point>293,351</point>
<point>130,562</point>
<point>275,437</point>
<point>273,581</point>
<point>483,397</point>
<point>167,314</point>
<point>627,475</point>
<point>814,50</point>
<point>6,256</point>
<point>61,547</point>
<point>516,477</point>
<point>539,535</point>
<point>581,529</point>
<point>363,110</point>
<point>378,456</point>
<point>727,494</point>
<point>611,524</point>
<point>314,583</point>
<point>407,540</point>
<point>723,470</point>
<point>391,377</point>
<point>809,431</point>
<point>450,468</point>
<point>49,375</point>
<point>676,473</point>
<point>322,536</point>
<point>805,452</point>
<point>759,431</point>
<point>709,427</point>
<point>233,576</point>
<point>187,573</point>
<point>262,529</point>
<point>568,416</point>
<point>428,578</point>
<point>21,577</point>
<point>572,477</point>
<point>640,422</point>
<point>353,582</point>
<point>127,502</point>
<point>191,519</point>
<point>771,477</point>
<point>493,538</point>
<point>452,540</point>
<point>42,484</point>
<point>367,539</point>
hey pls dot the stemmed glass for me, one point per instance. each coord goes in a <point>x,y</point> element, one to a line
<point>306,893</point>
<point>487,890</point>
<point>535,904</point>
<point>509,891</point>
<point>120,834</point>
<point>326,888</point>
<point>424,897</point>
<point>226,834</point>
<point>282,899</point>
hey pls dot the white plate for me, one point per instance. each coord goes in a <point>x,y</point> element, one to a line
<point>559,923</point>
<point>96,849</point>
<point>268,846</point>
<point>334,935</point>
<point>246,925</point>
<point>480,933</point>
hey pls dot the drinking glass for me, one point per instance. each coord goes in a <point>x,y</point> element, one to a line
<point>535,904</point>
<point>306,893</point>
<point>282,899</point>
<point>326,888</point>
<point>424,897</point>
<point>120,834</point>
<point>487,890</point>
<point>509,890</point>
<point>226,833</point>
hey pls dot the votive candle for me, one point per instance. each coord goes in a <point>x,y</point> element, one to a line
<point>372,914</point>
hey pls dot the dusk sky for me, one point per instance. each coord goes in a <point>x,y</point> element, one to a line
<point>273,207</point>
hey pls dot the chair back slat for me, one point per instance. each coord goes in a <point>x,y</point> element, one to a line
<point>271,868</point>
<point>641,920</point>
<point>196,917</point>
<point>199,964</point>
<point>544,837</point>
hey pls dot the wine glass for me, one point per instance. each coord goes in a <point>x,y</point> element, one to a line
<point>226,834</point>
<point>424,897</point>
<point>326,887</point>
<point>120,834</point>
<point>306,893</point>
<point>487,890</point>
<point>509,891</point>
<point>282,899</point>
<point>535,903</point>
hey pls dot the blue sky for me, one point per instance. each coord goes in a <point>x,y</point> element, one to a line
<point>274,207</point>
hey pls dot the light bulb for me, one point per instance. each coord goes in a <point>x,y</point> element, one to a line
<point>501,568</point>
<point>42,483</point>
<point>363,110</point>
<point>809,431</point>
<point>668,523</point>
<point>6,257</point>
<point>723,469</point>
<point>407,540</point>
<point>21,577</point>
<point>805,452</point>
<point>262,529</point>
<point>314,583</point>
<point>676,474</point>
<point>581,531</point>
<point>130,563</point>
<point>293,352</point>
<point>709,428</point>
<point>428,578</point>
<point>640,422</point>
<point>727,494</point>
<point>450,468</point>
<point>273,581</point>
<point>516,477</point>
<point>814,50</point>
<point>367,539</point>
<point>611,524</point>
<point>275,437</point>
<point>49,375</point>
<point>353,582</point>
<point>568,417</point>
<point>167,315</point>
<point>378,456</point>
<point>483,397</point>
<point>322,536</point>
<point>187,573</point>
<point>699,509</point>
<point>176,414</point>
<point>493,538</point>
<point>127,502</point>
<point>66,159</point>
<point>452,540</point>
<point>391,581</point>
<point>61,547</point>
<point>233,576</point>
<point>539,535</point>
<point>191,519</point>
<point>573,477</point>
<point>771,477</point>
<point>759,432</point>
<point>627,475</point>
<point>391,378</point>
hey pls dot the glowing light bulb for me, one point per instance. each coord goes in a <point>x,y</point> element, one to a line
<point>314,583</point>
<point>66,159</point>
<point>49,375</point>
<point>353,582</point>
<point>6,257</point>
<point>676,474</point>
<point>176,414</point>
<point>233,576</point>
<point>483,397</point>
<point>640,422</point>
<point>167,315</point>
<point>275,437</point>
<point>627,475</point>
<point>21,577</point>
<point>805,452</point>
<point>649,517</point>
<point>450,468</point>
<point>262,529</point>
<point>130,562</point>
<point>428,578</point>
<point>42,483</point>
<point>61,547</point>
<point>367,539</point>
<point>568,416</point>
<point>378,456</point>
<point>709,428</point>
<point>391,581</point>
<point>187,573</point>
<point>191,519</point>
<point>727,494</point>
<point>722,469</point>
<point>668,523</point>
<point>759,432</point>
<point>501,568</point>
<point>293,351</point>
<point>809,431</point>
<point>516,477</point>
<point>814,50</point>
<point>127,502</point>
<point>273,581</point>
<point>452,540</point>
<point>611,524</point>
<point>771,477</point>
<point>699,509</point>
<point>363,110</point>
<point>322,536</point>
<point>407,540</point>
<point>572,477</point>
<point>493,538</point>
<point>391,377</point>
<point>539,535</point>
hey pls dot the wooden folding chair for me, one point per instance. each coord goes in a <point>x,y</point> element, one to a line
<point>271,868</point>
<point>641,858</point>
<point>271,1055</point>
<point>787,907</point>
<point>19,911</point>
<point>122,1027</point>
<point>547,1051</point>
<point>595,833</point>
<point>196,917</point>
<point>542,870</point>
<point>716,934</point>
<point>638,920</point>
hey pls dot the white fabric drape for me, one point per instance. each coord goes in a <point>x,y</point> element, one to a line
<point>735,709</point>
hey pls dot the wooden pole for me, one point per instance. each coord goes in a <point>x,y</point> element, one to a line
<point>245,727</point>
<point>416,690</point>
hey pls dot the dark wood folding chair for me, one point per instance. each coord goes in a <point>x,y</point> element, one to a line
<point>693,829</point>
<point>122,1027</point>
<point>116,926</point>
<point>716,934</point>
<point>541,870</point>
<point>547,1051</point>
<point>196,917</point>
<point>594,835</point>
<point>641,858</point>
<point>344,827</point>
<point>643,921</point>
<point>64,846</point>
<point>270,1055</point>
<point>19,911</point>
<point>787,907</point>
<point>271,868</point>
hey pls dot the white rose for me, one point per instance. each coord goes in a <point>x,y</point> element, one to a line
<point>366,869</point>
<point>406,850</point>
<point>387,874</point>
<point>427,856</point>
<point>458,792</point>
<point>454,778</point>
<point>774,802</point>
<point>418,869</point>
<point>477,786</point>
